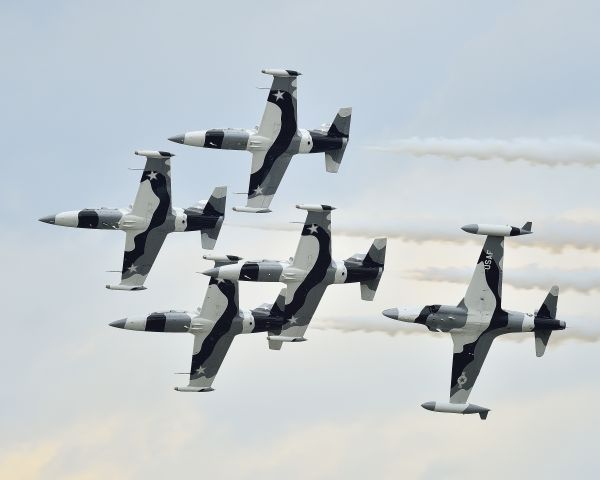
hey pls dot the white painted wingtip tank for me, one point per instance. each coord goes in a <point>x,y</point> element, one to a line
<point>462,408</point>
<point>497,230</point>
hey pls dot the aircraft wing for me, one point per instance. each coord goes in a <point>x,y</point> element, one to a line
<point>484,293</point>
<point>212,340</point>
<point>280,116</point>
<point>153,197</point>
<point>141,250</point>
<point>301,302</point>
<point>470,351</point>
<point>268,168</point>
<point>152,205</point>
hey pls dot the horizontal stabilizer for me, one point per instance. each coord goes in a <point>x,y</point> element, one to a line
<point>130,288</point>
<point>461,408</point>
<point>541,341</point>
<point>209,236</point>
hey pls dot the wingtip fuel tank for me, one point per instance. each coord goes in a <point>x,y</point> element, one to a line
<point>461,408</point>
<point>497,230</point>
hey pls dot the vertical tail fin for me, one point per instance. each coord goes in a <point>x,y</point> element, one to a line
<point>340,128</point>
<point>375,258</point>
<point>216,203</point>
<point>214,207</point>
<point>546,312</point>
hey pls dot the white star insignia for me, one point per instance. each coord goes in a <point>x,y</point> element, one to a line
<point>278,95</point>
<point>152,176</point>
<point>313,228</point>
<point>258,190</point>
<point>293,320</point>
<point>133,268</point>
<point>220,280</point>
<point>200,370</point>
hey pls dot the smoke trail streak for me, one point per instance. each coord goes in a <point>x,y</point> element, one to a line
<point>551,235</point>
<point>551,151</point>
<point>529,277</point>
<point>583,330</point>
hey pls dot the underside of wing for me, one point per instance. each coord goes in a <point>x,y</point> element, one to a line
<point>268,169</point>
<point>141,250</point>
<point>280,117</point>
<point>469,354</point>
<point>484,293</point>
<point>212,340</point>
<point>209,352</point>
<point>314,248</point>
<point>301,302</point>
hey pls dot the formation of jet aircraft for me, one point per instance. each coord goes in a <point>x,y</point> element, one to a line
<point>309,273</point>
<point>473,324</point>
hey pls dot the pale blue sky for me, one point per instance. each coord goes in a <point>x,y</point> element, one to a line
<point>86,83</point>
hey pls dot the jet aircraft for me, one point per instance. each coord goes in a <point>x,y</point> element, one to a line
<point>214,326</point>
<point>480,317</point>
<point>309,273</point>
<point>276,140</point>
<point>150,219</point>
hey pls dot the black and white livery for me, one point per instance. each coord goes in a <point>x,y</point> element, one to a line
<point>308,274</point>
<point>480,317</point>
<point>150,219</point>
<point>214,326</point>
<point>276,140</point>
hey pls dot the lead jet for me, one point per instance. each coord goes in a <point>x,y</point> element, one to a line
<point>150,219</point>
<point>276,140</point>
<point>479,318</point>
<point>308,274</point>
<point>214,326</point>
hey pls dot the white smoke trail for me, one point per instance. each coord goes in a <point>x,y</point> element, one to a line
<point>583,330</point>
<point>551,235</point>
<point>551,151</point>
<point>529,277</point>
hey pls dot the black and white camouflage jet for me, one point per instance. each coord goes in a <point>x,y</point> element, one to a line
<point>150,219</point>
<point>276,140</point>
<point>480,317</point>
<point>309,273</point>
<point>214,326</point>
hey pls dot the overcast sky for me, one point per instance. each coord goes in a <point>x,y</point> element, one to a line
<point>86,83</point>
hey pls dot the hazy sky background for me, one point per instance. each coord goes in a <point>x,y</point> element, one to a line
<point>86,83</point>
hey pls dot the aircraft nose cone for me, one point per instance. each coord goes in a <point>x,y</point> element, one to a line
<point>48,219</point>
<point>211,272</point>
<point>391,313</point>
<point>429,406</point>
<point>471,228</point>
<point>177,138</point>
<point>119,323</point>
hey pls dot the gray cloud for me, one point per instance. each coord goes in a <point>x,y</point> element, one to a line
<point>551,151</point>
